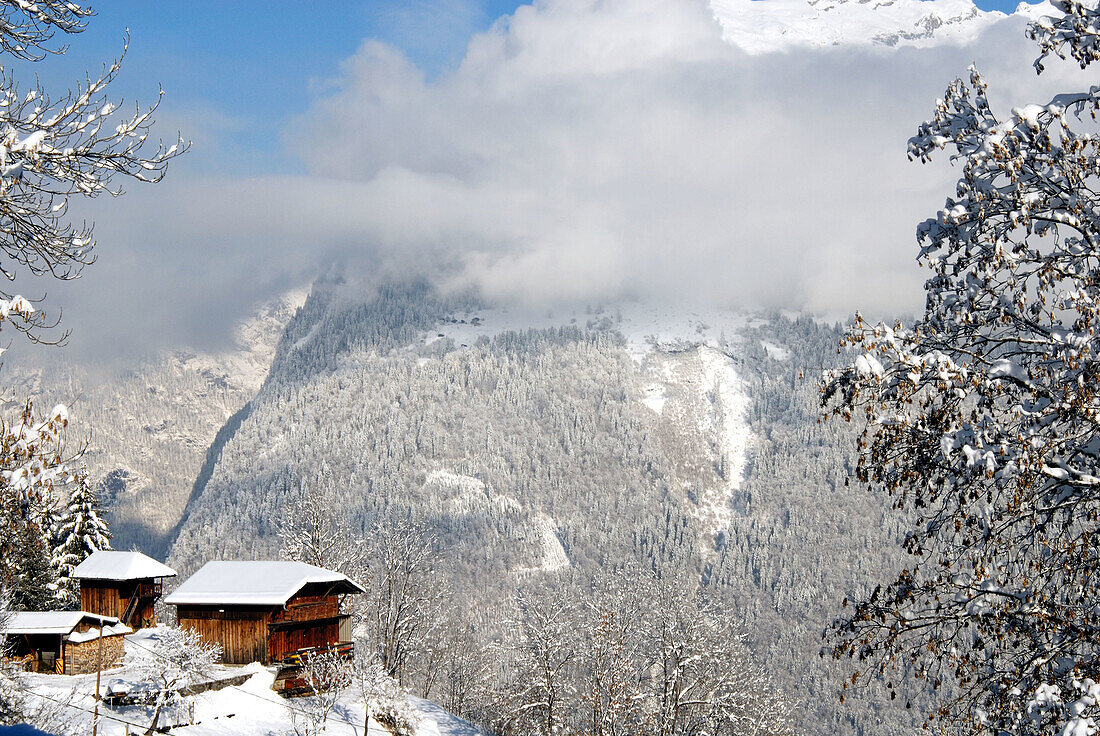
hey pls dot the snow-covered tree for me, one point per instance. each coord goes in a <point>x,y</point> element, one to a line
<point>545,646</point>
<point>313,531</point>
<point>327,673</point>
<point>33,467</point>
<point>11,695</point>
<point>700,674</point>
<point>408,589</point>
<point>53,148</point>
<point>982,419</point>
<point>383,699</point>
<point>169,662</point>
<point>80,532</point>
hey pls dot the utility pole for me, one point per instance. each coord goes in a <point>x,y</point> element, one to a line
<point>98,670</point>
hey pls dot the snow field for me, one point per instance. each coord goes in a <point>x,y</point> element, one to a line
<point>645,326</point>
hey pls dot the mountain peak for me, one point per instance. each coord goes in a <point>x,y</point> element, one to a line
<point>764,26</point>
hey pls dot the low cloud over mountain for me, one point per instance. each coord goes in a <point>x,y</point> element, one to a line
<point>581,151</point>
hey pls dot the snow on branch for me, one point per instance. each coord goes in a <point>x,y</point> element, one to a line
<point>26,26</point>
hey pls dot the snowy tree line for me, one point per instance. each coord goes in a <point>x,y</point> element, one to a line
<point>50,517</point>
<point>625,652</point>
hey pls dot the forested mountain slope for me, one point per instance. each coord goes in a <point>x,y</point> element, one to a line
<point>148,427</point>
<point>588,441</point>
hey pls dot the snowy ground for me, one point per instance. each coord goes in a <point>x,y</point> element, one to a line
<point>645,326</point>
<point>251,709</point>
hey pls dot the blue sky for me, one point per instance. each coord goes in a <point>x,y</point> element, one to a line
<point>238,71</point>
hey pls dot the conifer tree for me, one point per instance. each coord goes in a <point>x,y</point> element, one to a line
<point>81,532</point>
<point>35,582</point>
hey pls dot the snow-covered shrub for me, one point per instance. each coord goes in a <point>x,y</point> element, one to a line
<point>169,661</point>
<point>328,674</point>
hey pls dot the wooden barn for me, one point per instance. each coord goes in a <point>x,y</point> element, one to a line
<point>263,611</point>
<point>63,642</point>
<point>125,585</point>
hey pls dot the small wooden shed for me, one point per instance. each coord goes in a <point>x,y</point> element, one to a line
<point>125,585</point>
<point>265,611</point>
<point>63,642</point>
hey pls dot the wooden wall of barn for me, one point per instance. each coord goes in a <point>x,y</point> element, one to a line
<point>291,637</point>
<point>104,597</point>
<point>242,633</point>
<point>110,598</point>
<point>308,607</point>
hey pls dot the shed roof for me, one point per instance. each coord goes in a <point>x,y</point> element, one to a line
<point>254,583</point>
<point>51,622</point>
<point>112,565</point>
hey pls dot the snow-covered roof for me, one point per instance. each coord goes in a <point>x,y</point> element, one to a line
<point>50,622</point>
<point>118,629</point>
<point>111,565</point>
<point>254,583</point>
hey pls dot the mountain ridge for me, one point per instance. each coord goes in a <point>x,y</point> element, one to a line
<point>768,26</point>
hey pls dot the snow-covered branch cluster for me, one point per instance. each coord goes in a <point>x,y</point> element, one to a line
<point>26,26</point>
<point>982,419</point>
<point>1074,34</point>
<point>54,148</point>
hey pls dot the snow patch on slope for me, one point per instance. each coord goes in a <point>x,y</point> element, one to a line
<point>654,397</point>
<point>469,494</point>
<point>646,327</point>
<point>434,721</point>
<point>724,394</point>
<point>553,554</point>
<point>775,351</point>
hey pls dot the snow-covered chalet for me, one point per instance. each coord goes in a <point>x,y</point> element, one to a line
<point>125,585</point>
<point>63,642</point>
<point>265,611</point>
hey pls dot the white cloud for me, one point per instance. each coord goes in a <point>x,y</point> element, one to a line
<point>583,150</point>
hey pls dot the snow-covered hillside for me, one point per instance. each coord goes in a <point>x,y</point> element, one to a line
<point>686,378</point>
<point>66,705</point>
<point>579,439</point>
<point>762,26</point>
